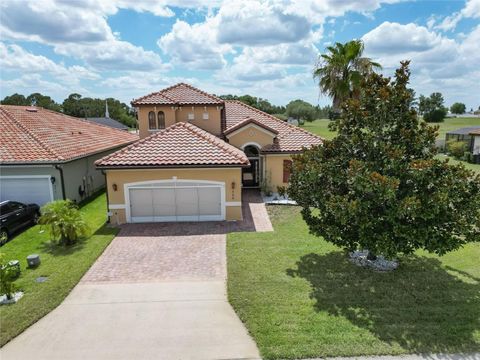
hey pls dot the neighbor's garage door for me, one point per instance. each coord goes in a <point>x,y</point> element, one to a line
<point>27,190</point>
<point>176,202</point>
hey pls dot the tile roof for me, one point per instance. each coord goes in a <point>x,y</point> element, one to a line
<point>247,121</point>
<point>475,132</point>
<point>108,122</point>
<point>179,94</point>
<point>182,144</point>
<point>37,135</point>
<point>290,138</point>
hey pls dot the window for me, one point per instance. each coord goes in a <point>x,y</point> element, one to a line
<point>161,120</point>
<point>287,170</point>
<point>191,116</point>
<point>251,151</point>
<point>152,123</point>
<point>205,116</point>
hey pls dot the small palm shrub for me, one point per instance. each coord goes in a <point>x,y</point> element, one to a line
<point>64,221</point>
<point>7,275</point>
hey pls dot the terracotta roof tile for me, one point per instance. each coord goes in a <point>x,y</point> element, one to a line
<point>290,138</point>
<point>37,135</point>
<point>179,94</point>
<point>182,144</point>
<point>475,132</point>
<point>247,121</point>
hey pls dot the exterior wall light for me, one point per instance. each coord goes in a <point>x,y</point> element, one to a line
<point>53,179</point>
<point>114,187</point>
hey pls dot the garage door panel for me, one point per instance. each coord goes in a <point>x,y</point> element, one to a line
<point>164,204</point>
<point>187,202</point>
<point>141,204</point>
<point>209,199</point>
<point>26,190</point>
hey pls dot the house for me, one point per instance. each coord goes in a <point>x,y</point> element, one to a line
<point>462,134</point>
<point>46,155</point>
<point>195,154</point>
<point>106,121</point>
<point>475,145</point>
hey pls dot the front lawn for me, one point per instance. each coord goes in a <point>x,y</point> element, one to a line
<point>300,297</point>
<point>64,267</point>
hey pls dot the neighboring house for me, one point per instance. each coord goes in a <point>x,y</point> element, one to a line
<point>46,155</point>
<point>106,121</point>
<point>463,135</point>
<point>195,155</point>
<point>475,147</point>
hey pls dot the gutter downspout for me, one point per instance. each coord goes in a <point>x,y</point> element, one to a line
<point>106,192</point>
<point>60,169</point>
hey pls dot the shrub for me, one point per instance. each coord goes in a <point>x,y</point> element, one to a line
<point>282,191</point>
<point>456,148</point>
<point>8,274</point>
<point>64,220</point>
<point>435,116</point>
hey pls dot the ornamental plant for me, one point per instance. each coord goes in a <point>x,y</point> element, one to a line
<point>64,221</point>
<point>7,276</point>
<point>377,185</point>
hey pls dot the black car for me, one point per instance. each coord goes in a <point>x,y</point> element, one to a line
<point>14,216</point>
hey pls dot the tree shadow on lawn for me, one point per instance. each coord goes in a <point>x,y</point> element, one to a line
<point>53,248</point>
<point>420,306</point>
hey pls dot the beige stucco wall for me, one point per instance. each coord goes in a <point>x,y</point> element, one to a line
<point>273,167</point>
<point>122,177</point>
<point>212,125</point>
<point>250,134</point>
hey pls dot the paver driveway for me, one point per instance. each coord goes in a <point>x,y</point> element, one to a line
<point>157,292</point>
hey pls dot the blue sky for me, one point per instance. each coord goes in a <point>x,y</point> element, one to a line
<point>125,49</point>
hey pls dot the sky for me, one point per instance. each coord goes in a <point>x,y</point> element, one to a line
<point>125,49</point>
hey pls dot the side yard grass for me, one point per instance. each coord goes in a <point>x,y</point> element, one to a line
<point>62,266</point>
<point>300,297</point>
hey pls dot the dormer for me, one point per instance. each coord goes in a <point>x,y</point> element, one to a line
<point>251,132</point>
<point>179,103</point>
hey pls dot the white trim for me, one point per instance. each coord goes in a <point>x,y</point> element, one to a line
<point>116,206</point>
<point>175,168</point>
<point>282,155</point>
<point>50,185</point>
<point>244,127</point>
<point>144,185</point>
<point>233,203</point>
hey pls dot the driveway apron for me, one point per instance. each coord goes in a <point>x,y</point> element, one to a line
<point>157,292</point>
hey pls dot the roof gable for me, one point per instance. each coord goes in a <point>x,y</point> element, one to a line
<point>37,135</point>
<point>250,121</point>
<point>290,138</point>
<point>181,144</point>
<point>179,94</point>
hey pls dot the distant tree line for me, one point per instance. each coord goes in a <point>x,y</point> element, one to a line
<point>78,106</point>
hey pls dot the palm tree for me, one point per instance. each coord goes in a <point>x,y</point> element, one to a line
<point>341,70</point>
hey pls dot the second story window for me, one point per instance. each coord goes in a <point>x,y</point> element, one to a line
<point>152,122</point>
<point>191,116</point>
<point>205,115</point>
<point>161,120</point>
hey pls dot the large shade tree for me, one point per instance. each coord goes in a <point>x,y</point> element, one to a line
<point>378,186</point>
<point>341,70</point>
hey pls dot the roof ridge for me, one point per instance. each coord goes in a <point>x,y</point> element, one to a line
<point>12,117</point>
<point>292,127</point>
<point>163,91</point>
<point>201,91</point>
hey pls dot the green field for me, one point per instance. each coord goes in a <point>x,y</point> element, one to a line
<point>320,127</point>
<point>300,297</point>
<point>63,267</point>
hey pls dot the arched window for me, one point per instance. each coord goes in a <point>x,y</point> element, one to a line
<point>161,120</point>
<point>251,151</point>
<point>152,123</point>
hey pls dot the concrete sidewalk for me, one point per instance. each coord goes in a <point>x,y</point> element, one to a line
<point>156,320</point>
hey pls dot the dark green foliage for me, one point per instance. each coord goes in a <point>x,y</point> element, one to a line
<point>456,148</point>
<point>458,108</point>
<point>15,99</point>
<point>77,106</point>
<point>377,185</point>
<point>301,110</point>
<point>432,107</point>
<point>33,99</point>
<point>257,103</point>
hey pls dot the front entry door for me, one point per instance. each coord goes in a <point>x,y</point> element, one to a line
<point>250,175</point>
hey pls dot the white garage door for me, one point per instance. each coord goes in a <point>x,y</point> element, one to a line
<point>37,190</point>
<point>176,201</point>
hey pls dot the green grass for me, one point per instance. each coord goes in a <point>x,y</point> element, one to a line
<point>64,267</point>
<point>320,127</point>
<point>300,297</point>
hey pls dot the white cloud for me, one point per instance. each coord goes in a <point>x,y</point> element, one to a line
<point>194,45</point>
<point>471,10</point>
<point>14,58</point>
<point>438,63</point>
